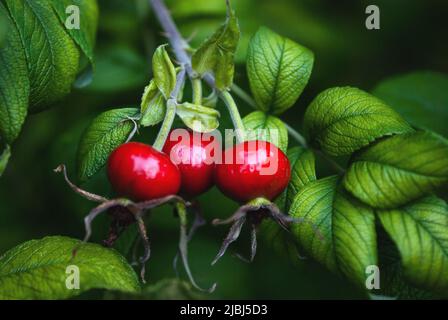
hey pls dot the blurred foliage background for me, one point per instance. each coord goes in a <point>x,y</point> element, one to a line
<point>35,202</point>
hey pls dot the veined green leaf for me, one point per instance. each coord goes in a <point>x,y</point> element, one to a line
<point>420,231</point>
<point>303,171</point>
<point>260,126</point>
<point>85,35</point>
<point>104,134</point>
<point>164,71</point>
<point>338,231</point>
<point>342,120</point>
<point>14,83</point>
<point>198,118</point>
<point>278,70</point>
<point>41,269</point>
<point>420,97</point>
<point>217,53</point>
<point>4,158</point>
<point>398,169</point>
<point>52,56</point>
<point>4,26</point>
<point>153,106</point>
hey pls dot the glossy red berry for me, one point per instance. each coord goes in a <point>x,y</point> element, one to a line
<point>193,154</point>
<point>253,169</point>
<point>140,172</point>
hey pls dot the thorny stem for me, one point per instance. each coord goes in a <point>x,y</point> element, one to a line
<point>170,112</point>
<point>179,46</point>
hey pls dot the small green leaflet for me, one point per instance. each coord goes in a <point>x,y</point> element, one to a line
<point>420,97</point>
<point>338,231</point>
<point>260,126</point>
<point>153,106</point>
<point>342,120</point>
<point>37,269</point>
<point>217,53</point>
<point>420,231</point>
<point>198,118</point>
<point>164,71</point>
<point>104,134</point>
<point>4,158</point>
<point>398,169</point>
<point>278,70</point>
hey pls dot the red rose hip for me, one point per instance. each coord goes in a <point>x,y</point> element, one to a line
<point>193,154</point>
<point>140,172</point>
<point>253,169</point>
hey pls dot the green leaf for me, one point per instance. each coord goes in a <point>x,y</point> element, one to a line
<point>260,126</point>
<point>85,36</point>
<point>420,231</point>
<point>4,158</point>
<point>342,120</point>
<point>37,269</point>
<point>216,54</point>
<point>153,106</point>
<point>164,71</point>
<point>398,169</point>
<point>51,54</point>
<point>345,239</point>
<point>303,171</point>
<point>420,97</point>
<point>14,83</point>
<point>278,70</point>
<point>105,133</point>
<point>4,27</point>
<point>198,118</point>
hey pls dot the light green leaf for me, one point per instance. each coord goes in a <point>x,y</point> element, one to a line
<point>4,158</point>
<point>278,70</point>
<point>342,120</point>
<point>104,134</point>
<point>14,83</point>
<point>198,118</point>
<point>153,106</point>
<point>420,231</point>
<point>164,71</point>
<point>420,97</point>
<point>303,171</point>
<point>85,35</point>
<point>398,169</point>
<point>345,239</point>
<point>260,126</point>
<point>52,56</point>
<point>217,53</point>
<point>37,269</point>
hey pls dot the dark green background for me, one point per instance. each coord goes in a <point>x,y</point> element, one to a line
<point>35,202</point>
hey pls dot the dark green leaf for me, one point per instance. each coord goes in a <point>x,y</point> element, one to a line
<point>399,169</point>
<point>37,269</point>
<point>164,71</point>
<point>105,133</point>
<point>198,118</point>
<point>217,53</point>
<point>260,126</point>
<point>342,120</point>
<point>85,35</point>
<point>278,70</point>
<point>153,106</point>
<point>421,97</point>
<point>345,239</point>
<point>52,56</point>
<point>420,231</point>
<point>303,171</point>
<point>14,83</point>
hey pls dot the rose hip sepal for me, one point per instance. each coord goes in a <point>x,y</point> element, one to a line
<point>255,173</point>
